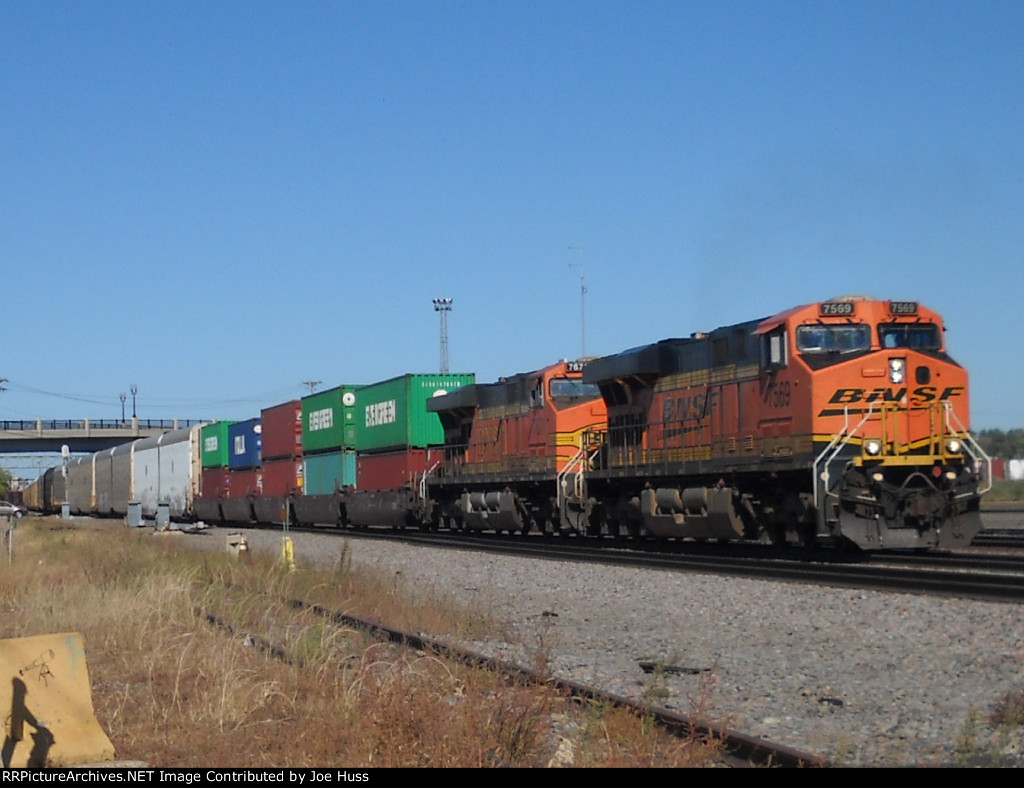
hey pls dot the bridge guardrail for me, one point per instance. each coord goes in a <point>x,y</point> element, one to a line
<point>37,425</point>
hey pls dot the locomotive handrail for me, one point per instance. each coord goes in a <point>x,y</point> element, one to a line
<point>590,445</point>
<point>835,445</point>
<point>423,480</point>
<point>971,446</point>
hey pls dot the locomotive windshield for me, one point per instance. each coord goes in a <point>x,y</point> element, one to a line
<point>923,336</point>
<point>844,338</point>
<point>573,389</point>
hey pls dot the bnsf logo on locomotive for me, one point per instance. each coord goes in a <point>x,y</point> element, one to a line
<point>921,394</point>
<point>322,419</point>
<point>689,408</point>
<point>381,413</point>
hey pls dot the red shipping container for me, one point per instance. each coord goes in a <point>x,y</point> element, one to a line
<point>242,483</point>
<point>214,483</point>
<point>282,430</point>
<point>282,477</point>
<point>395,470</point>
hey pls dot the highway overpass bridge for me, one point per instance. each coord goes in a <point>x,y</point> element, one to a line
<point>85,435</point>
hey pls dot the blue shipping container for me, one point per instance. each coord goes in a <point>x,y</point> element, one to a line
<point>244,444</point>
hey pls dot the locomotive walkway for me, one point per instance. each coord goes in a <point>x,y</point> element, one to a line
<point>84,435</point>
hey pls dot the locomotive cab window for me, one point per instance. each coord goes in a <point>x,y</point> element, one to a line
<point>773,349</point>
<point>844,338</point>
<point>571,391</point>
<point>921,336</point>
<point>537,393</point>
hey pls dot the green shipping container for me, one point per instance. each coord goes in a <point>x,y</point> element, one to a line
<point>329,420</point>
<point>216,448</point>
<point>393,414</point>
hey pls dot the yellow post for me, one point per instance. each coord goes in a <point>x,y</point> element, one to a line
<point>288,553</point>
<point>46,701</point>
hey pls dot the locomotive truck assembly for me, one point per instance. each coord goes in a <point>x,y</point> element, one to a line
<point>843,422</point>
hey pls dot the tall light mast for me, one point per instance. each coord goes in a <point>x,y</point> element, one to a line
<point>443,306</point>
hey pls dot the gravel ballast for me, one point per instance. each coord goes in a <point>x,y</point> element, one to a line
<point>863,678</point>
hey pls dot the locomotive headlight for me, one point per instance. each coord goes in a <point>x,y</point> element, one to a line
<point>897,370</point>
<point>954,446</point>
<point>873,447</point>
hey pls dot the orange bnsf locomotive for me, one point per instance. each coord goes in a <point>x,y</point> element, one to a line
<point>833,423</point>
<point>509,447</point>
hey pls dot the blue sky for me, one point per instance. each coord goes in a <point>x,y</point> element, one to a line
<point>217,201</point>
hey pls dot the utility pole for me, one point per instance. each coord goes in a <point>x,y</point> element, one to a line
<point>443,306</point>
<point>311,385</point>
<point>583,300</point>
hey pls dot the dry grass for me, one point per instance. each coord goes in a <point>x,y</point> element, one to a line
<point>172,690</point>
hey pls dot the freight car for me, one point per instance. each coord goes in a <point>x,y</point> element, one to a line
<point>352,455</point>
<point>155,472</point>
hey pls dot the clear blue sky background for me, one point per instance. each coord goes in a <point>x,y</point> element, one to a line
<point>217,201</point>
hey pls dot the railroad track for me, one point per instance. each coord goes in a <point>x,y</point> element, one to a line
<point>1012,538</point>
<point>961,575</point>
<point>739,750</point>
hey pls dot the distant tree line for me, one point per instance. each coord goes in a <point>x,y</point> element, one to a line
<point>1004,444</point>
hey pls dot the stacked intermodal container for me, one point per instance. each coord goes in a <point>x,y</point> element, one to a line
<point>245,476</point>
<point>213,458</point>
<point>328,453</point>
<point>245,444</point>
<point>393,413</point>
<point>282,460</point>
<point>397,443</point>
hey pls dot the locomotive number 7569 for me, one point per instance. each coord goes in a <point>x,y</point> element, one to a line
<point>777,394</point>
